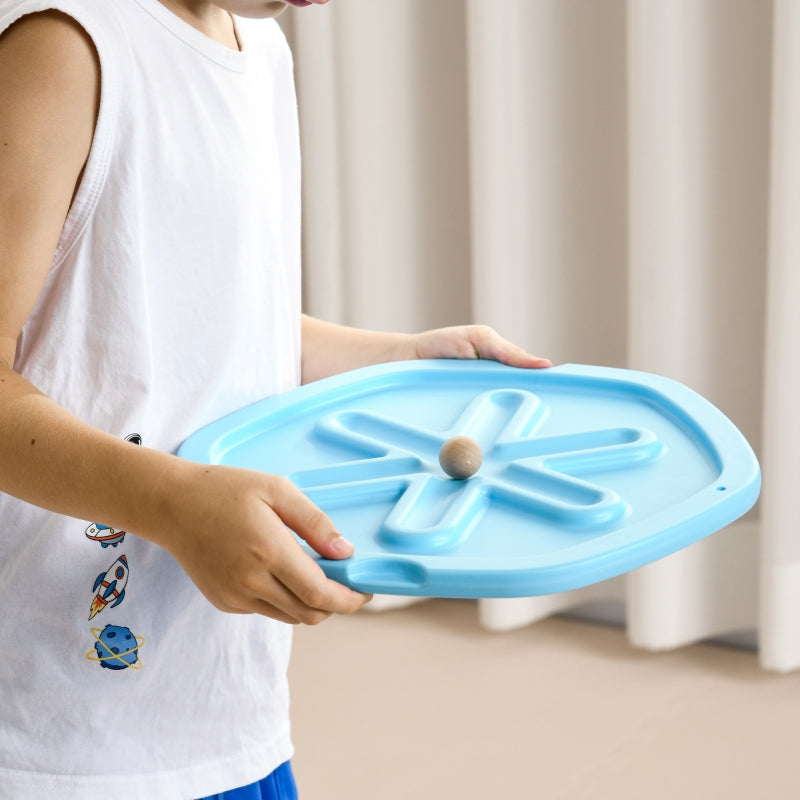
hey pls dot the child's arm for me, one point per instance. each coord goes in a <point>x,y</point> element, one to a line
<point>49,78</point>
<point>330,349</point>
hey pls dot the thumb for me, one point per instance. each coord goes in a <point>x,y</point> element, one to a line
<point>310,523</point>
<point>331,545</point>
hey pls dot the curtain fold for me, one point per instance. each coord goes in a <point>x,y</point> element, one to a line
<point>548,174</point>
<point>780,505</point>
<point>698,127</point>
<point>611,182</point>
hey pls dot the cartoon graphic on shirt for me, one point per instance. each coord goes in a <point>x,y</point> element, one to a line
<point>110,585</point>
<point>116,648</point>
<point>103,533</point>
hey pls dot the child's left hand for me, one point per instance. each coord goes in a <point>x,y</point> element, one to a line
<point>330,349</point>
<point>472,341</point>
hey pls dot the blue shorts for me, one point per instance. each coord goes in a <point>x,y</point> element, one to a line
<point>278,785</point>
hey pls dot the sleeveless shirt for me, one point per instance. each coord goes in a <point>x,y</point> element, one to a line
<point>173,298</point>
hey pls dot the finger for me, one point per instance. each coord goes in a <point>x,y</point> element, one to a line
<point>315,611</point>
<point>253,605</point>
<point>265,609</point>
<point>294,568</point>
<point>302,591</point>
<point>306,581</point>
<point>299,614</point>
<point>267,595</point>
<point>487,343</point>
<point>309,522</point>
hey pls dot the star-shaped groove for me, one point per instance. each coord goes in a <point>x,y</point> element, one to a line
<point>530,474</point>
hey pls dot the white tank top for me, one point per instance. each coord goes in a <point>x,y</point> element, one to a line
<point>173,298</point>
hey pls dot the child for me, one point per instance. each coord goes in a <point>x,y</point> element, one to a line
<point>149,283</point>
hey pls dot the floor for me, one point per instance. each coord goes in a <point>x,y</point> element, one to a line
<point>422,704</point>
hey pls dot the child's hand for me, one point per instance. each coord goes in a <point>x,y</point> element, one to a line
<point>473,341</point>
<point>330,349</point>
<point>232,533</point>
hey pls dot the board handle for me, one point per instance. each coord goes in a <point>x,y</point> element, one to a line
<point>379,575</point>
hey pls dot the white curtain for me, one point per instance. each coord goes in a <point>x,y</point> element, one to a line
<point>611,182</point>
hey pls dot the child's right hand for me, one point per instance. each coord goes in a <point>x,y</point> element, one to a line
<point>231,531</point>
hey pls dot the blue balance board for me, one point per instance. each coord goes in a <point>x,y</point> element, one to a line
<point>587,472</point>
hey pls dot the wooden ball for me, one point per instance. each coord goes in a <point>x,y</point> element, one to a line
<point>460,457</point>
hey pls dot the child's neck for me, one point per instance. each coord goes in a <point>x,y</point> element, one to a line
<point>208,18</point>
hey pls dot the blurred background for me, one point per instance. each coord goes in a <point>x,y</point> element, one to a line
<point>611,182</point>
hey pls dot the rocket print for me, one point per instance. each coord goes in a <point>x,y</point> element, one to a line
<point>109,587</point>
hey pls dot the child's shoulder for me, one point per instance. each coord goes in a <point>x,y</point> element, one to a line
<point>101,16</point>
<point>62,19</point>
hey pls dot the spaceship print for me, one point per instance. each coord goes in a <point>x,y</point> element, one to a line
<point>105,535</point>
